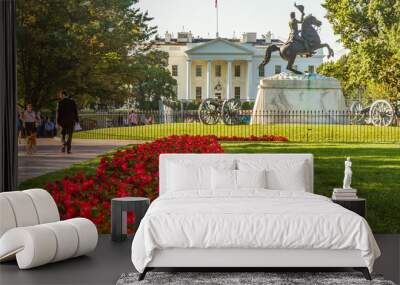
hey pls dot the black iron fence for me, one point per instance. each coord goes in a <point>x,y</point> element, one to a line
<point>297,126</point>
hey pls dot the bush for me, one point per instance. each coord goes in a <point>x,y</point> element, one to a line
<point>248,105</point>
<point>131,172</point>
<point>192,105</point>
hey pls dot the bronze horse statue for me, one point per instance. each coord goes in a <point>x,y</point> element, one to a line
<point>291,49</point>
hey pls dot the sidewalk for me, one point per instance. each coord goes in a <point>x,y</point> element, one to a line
<point>49,157</point>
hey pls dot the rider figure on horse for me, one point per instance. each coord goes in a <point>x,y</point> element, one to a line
<point>298,44</point>
<point>294,29</point>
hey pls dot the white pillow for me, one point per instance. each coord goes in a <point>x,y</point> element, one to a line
<point>251,178</point>
<point>187,174</point>
<point>281,175</point>
<point>183,177</point>
<point>223,179</point>
<point>291,178</point>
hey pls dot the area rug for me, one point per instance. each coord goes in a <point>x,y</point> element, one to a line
<point>244,278</point>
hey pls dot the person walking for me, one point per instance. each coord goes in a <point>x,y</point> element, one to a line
<point>39,125</point>
<point>49,128</point>
<point>29,119</point>
<point>20,124</point>
<point>132,119</point>
<point>67,117</point>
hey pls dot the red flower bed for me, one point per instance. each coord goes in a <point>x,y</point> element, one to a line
<point>264,138</point>
<point>131,172</point>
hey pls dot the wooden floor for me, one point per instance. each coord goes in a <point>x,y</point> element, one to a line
<point>110,260</point>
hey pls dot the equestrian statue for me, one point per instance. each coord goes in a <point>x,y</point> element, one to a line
<point>303,43</point>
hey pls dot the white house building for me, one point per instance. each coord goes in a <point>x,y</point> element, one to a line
<point>224,68</point>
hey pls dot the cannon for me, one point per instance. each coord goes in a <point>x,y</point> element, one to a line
<point>380,113</point>
<point>211,111</point>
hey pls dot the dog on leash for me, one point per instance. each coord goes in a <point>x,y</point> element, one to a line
<point>31,143</point>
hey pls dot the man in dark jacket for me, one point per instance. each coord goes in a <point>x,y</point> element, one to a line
<point>67,117</point>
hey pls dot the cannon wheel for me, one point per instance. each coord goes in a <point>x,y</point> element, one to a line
<point>381,113</point>
<point>231,112</point>
<point>209,111</point>
<point>356,110</point>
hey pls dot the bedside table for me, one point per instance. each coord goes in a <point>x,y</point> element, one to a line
<point>358,206</point>
<point>119,210</point>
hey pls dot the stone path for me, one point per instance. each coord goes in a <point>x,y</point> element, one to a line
<point>49,157</point>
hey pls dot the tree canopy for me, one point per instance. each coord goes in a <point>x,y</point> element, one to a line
<point>370,29</point>
<point>94,49</point>
<point>156,82</point>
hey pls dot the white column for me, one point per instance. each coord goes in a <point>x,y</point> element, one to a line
<point>229,81</point>
<point>209,79</point>
<point>188,78</point>
<point>249,79</point>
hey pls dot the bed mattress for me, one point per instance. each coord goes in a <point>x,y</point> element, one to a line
<point>250,219</point>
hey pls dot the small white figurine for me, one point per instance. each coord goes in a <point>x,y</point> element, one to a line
<point>347,174</point>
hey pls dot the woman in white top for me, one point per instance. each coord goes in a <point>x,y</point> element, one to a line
<point>30,119</point>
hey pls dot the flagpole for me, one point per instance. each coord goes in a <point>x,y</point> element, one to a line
<point>216,8</point>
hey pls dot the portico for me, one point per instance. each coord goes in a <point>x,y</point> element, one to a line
<point>221,68</point>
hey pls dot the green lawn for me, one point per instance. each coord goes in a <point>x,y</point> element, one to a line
<point>295,132</point>
<point>376,174</point>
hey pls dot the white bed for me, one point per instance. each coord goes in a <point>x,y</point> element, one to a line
<point>230,226</point>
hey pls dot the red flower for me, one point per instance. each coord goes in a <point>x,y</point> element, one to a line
<point>124,167</point>
<point>122,190</point>
<point>71,212</point>
<point>101,170</point>
<point>87,184</point>
<point>99,219</point>
<point>85,210</point>
<point>106,205</point>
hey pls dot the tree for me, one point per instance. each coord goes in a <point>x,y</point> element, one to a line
<point>90,48</point>
<point>156,82</point>
<point>370,29</point>
<point>340,70</point>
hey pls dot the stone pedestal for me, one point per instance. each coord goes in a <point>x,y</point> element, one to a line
<point>287,98</point>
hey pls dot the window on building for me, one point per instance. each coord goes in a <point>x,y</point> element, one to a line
<point>237,70</point>
<point>311,69</point>
<point>198,93</point>
<point>278,69</point>
<point>261,71</point>
<point>174,70</point>
<point>237,92</point>
<point>218,71</point>
<point>198,70</point>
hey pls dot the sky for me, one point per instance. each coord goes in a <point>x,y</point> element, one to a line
<point>235,17</point>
